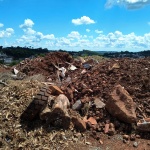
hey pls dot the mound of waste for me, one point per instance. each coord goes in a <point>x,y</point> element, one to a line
<point>44,65</point>
<point>110,97</point>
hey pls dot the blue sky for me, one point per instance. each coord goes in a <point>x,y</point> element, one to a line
<point>76,24</point>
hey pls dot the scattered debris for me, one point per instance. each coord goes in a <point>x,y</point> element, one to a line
<point>111,97</point>
<point>16,71</point>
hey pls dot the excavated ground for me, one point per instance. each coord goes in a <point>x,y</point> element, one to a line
<point>97,81</point>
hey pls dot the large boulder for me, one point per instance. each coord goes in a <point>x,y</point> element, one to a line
<point>121,105</point>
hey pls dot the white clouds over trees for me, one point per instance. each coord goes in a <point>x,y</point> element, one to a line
<point>94,39</point>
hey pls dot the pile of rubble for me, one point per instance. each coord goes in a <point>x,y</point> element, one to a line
<point>44,65</point>
<point>110,97</point>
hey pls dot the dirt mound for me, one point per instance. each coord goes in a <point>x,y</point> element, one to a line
<point>89,89</point>
<point>99,81</point>
<point>45,65</point>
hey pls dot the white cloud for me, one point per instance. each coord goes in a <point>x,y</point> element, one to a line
<point>74,35</point>
<point>1,25</point>
<point>31,36</point>
<point>29,31</point>
<point>77,41</point>
<point>28,23</point>
<point>83,20</point>
<point>98,31</point>
<point>129,4</point>
<point>87,30</point>
<point>49,36</point>
<point>6,33</point>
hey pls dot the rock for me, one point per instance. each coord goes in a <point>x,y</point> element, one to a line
<point>101,142</point>
<point>135,144</point>
<point>81,59</point>
<point>88,143</point>
<point>77,105</point>
<point>121,105</point>
<point>144,125</point>
<point>106,129</point>
<point>62,102</point>
<point>92,121</point>
<point>72,67</point>
<point>79,124</point>
<point>87,66</point>
<point>83,71</point>
<point>98,103</point>
<point>111,125</point>
<point>126,137</point>
<point>111,131</point>
<point>132,137</point>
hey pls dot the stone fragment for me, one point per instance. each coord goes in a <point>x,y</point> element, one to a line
<point>111,131</point>
<point>126,137</point>
<point>135,144</point>
<point>77,105</point>
<point>83,71</point>
<point>121,105</point>
<point>79,124</point>
<point>72,67</point>
<point>106,129</point>
<point>98,103</point>
<point>101,142</point>
<point>92,121</point>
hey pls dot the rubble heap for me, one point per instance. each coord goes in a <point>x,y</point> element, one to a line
<point>110,97</point>
<point>45,65</point>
